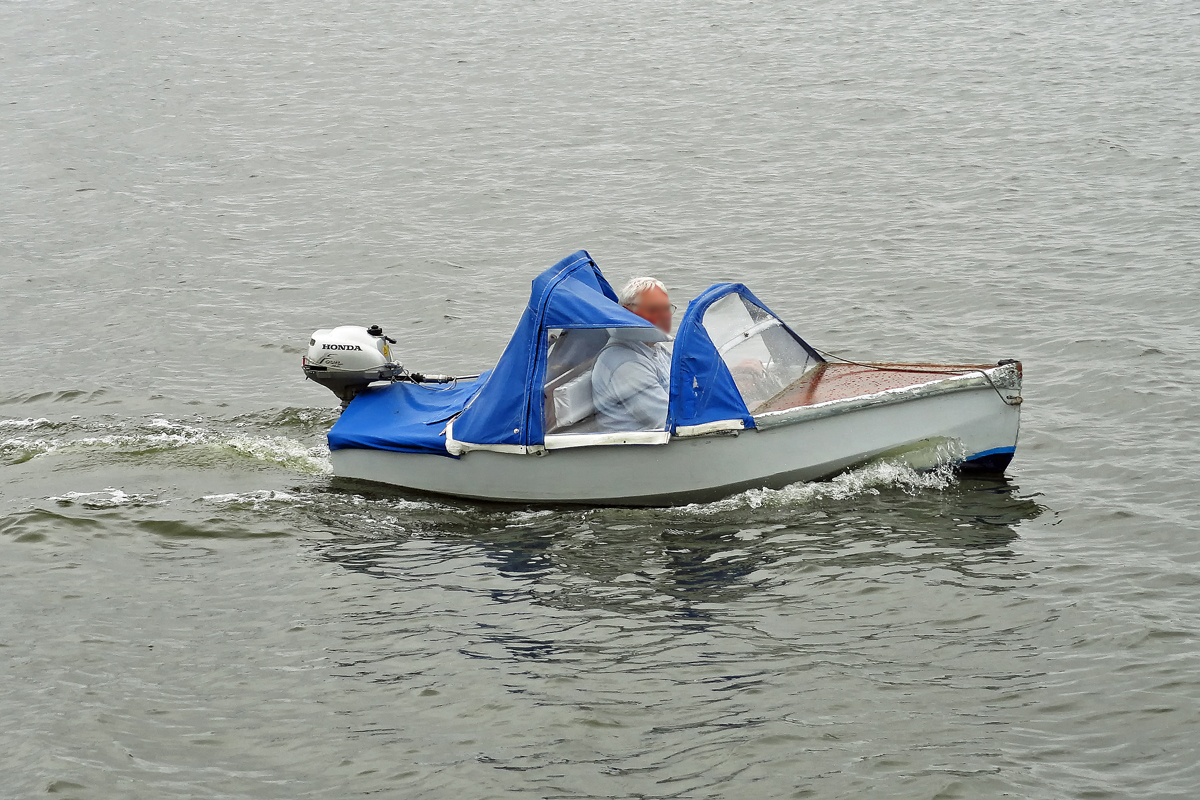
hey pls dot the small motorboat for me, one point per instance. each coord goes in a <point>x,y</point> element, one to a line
<point>751,404</point>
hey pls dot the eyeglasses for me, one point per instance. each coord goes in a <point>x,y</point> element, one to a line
<point>659,309</point>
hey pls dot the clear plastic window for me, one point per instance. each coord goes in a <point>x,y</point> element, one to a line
<point>571,354</point>
<point>605,380</point>
<point>762,356</point>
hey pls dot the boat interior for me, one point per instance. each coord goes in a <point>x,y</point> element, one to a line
<point>833,381</point>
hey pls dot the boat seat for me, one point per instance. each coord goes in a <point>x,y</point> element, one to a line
<point>568,399</point>
<point>588,425</point>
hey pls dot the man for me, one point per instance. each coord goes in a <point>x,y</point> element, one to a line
<point>631,380</point>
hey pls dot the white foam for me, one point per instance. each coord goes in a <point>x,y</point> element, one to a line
<point>105,498</point>
<point>867,480</point>
<point>281,450</point>
<point>164,434</point>
<point>30,422</point>
<point>258,499</point>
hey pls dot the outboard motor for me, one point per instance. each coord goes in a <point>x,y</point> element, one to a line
<point>347,359</point>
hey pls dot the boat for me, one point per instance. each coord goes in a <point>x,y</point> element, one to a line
<point>751,405</point>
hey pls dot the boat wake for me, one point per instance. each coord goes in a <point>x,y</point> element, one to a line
<point>201,439</point>
<point>106,499</point>
<point>292,440</point>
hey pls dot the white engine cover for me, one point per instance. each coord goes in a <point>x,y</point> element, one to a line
<point>347,348</point>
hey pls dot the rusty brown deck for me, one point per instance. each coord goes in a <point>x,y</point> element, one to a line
<point>841,381</point>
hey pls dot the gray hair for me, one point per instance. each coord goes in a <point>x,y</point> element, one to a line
<point>633,291</point>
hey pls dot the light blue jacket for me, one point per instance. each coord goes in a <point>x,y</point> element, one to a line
<point>631,384</point>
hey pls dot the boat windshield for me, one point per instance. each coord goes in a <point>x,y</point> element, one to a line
<point>762,355</point>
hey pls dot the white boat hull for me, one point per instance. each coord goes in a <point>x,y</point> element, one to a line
<point>923,430</point>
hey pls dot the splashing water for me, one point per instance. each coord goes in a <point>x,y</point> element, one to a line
<point>159,434</point>
<point>106,498</point>
<point>869,479</point>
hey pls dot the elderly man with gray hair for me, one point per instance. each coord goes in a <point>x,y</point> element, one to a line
<point>631,380</point>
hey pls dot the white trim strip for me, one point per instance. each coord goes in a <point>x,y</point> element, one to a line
<point>562,441</point>
<point>457,448</point>
<point>719,426</point>
<point>558,441</point>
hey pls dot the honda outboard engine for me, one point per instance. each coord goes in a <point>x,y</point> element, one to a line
<point>349,358</point>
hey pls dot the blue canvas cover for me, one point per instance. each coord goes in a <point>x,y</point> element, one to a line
<point>403,417</point>
<point>509,407</point>
<point>506,406</point>
<point>702,388</point>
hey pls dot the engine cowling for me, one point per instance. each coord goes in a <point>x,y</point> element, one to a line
<point>349,358</point>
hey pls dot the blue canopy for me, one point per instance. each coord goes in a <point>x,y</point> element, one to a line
<point>702,389</point>
<point>509,408</point>
<point>506,406</point>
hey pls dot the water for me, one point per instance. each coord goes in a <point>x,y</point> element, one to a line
<point>192,605</point>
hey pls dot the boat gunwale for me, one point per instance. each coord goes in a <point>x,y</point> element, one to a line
<point>1002,376</point>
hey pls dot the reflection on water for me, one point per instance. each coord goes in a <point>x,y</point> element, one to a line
<point>687,635</point>
<point>678,560</point>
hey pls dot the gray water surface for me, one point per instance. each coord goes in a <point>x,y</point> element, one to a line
<point>191,606</point>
